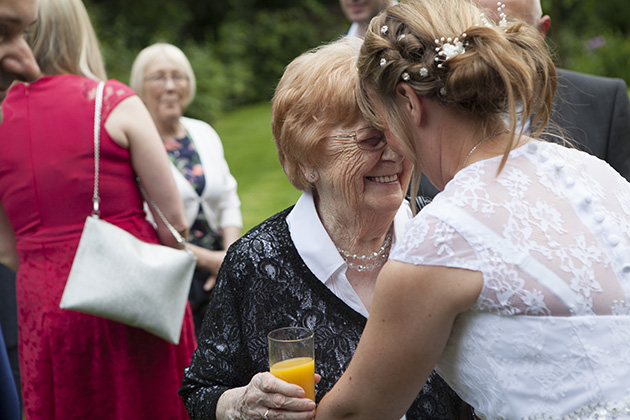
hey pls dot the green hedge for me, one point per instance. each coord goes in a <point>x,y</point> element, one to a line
<point>242,66</point>
<point>240,53</point>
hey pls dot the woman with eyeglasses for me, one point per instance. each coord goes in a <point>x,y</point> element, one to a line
<point>163,77</point>
<point>313,264</point>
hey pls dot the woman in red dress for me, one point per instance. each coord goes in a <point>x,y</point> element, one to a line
<point>74,365</point>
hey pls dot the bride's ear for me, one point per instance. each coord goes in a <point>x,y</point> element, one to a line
<point>410,102</point>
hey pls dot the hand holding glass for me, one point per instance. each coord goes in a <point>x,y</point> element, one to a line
<point>292,357</point>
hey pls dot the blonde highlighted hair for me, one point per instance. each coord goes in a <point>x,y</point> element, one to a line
<point>63,40</point>
<point>316,93</point>
<point>504,70</point>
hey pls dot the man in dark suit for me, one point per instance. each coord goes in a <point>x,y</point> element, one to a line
<point>16,62</point>
<point>592,111</point>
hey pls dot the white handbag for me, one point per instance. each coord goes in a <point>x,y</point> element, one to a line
<point>120,277</point>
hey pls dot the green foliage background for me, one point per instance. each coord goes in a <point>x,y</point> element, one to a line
<point>591,36</point>
<point>239,48</point>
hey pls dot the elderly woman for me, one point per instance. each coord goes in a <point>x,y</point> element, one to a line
<point>163,77</point>
<point>515,279</point>
<point>313,264</point>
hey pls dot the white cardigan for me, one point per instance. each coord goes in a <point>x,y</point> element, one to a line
<point>219,200</point>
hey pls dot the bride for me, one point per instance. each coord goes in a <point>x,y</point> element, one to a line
<point>515,281</point>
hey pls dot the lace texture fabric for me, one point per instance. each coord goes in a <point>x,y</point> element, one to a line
<point>549,334</point>
<point>539,367</point>
<point>263,284</point>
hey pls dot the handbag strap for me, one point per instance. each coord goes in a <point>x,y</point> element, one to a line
<point>180,240</point>
<point>98,105</point>
<point>96,199</point>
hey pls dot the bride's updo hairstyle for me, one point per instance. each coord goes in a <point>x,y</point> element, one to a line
<point>447,50</point>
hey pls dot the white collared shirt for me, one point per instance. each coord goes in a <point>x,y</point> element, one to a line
<point>320,253</point>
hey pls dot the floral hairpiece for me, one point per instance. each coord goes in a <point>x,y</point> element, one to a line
<point>448,48</point>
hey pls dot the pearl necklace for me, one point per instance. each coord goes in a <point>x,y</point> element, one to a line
<point>369,261</point>
<point>491,136</point>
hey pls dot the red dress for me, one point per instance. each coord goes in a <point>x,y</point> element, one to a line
<point>73,365</point>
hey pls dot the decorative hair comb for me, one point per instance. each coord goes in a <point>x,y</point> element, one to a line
<point>448,48</point>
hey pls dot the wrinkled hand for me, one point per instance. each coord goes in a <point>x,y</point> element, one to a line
<point>266,394</point>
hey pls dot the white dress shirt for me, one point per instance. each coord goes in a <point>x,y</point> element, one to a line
<point>320,253</point>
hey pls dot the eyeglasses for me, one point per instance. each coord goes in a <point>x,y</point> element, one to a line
<point>366,138</point>
<point>162,79</point>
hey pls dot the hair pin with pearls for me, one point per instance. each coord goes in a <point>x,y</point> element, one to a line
<point>502,17</point>
<point>448,48</point>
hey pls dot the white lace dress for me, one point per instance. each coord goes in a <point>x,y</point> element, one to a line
<point>549,336</point>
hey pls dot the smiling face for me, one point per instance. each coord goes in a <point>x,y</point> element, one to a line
<point>165,89</point>
<point>362,180</point>
<point>16,58</point>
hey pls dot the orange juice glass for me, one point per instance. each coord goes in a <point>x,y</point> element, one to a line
<point>292,357</point>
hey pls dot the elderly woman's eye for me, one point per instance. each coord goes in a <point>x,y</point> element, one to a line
<point>370,138</point>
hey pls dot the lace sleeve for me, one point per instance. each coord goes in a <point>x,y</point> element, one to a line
<point>114,93</point>
<point>432,241</point>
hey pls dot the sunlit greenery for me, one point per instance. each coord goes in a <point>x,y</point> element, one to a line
<point>249,149</point>
<point>239,49</point>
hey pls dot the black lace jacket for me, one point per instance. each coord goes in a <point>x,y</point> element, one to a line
<point>263,284</point>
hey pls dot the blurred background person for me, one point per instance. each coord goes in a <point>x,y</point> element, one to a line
<point>74,365</point>
<point>360,12</point>
<point>9,334</point>
<point>513,282</point>
<point>592,112</point>
<point>313,264</point>
<point>16,63</point>
<point>163,77</point>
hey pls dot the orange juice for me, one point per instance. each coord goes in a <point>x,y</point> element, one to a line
<point>299,371</point>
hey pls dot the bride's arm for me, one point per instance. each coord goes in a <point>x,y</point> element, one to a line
<point>411,319</point>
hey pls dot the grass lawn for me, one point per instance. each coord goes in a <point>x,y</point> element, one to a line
<point>249,150</point>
